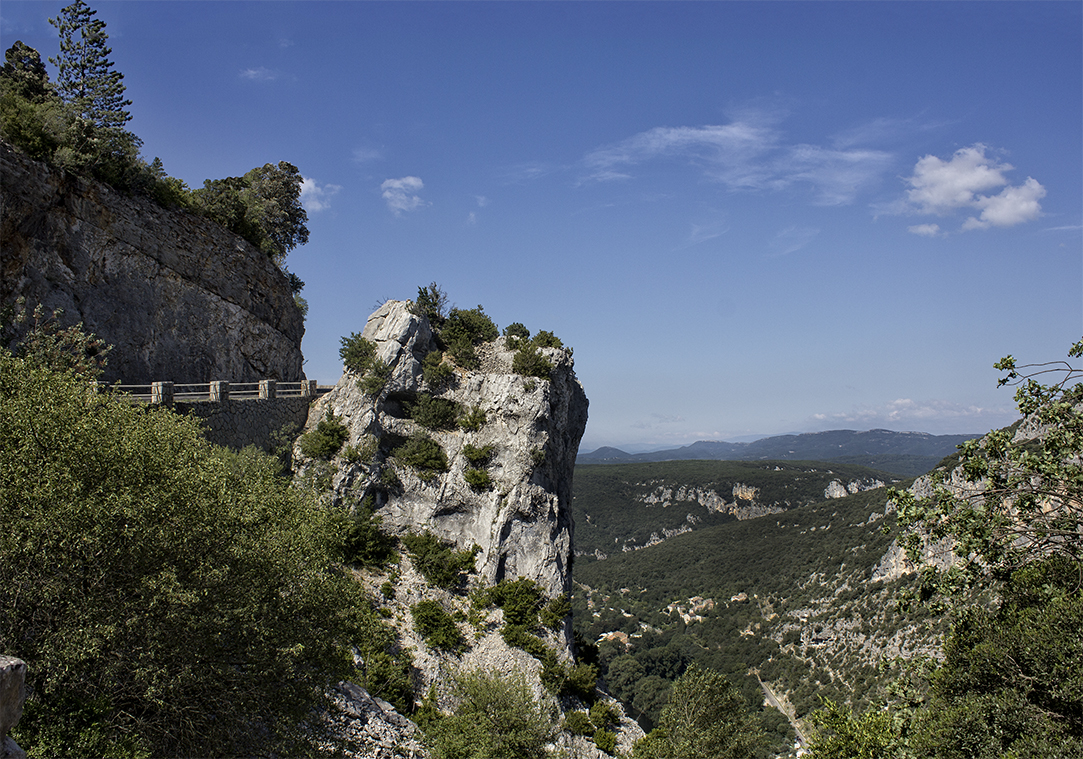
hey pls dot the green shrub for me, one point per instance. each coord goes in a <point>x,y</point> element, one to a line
<point>581,681</point>
<point>436,626</point>
<point>432,304</point>
<point>357,353</point>
<point>478,479</point>
<point>366,544</point>
<point>422,453</point>
<point>556,611</point>
<point>495,717</point>
<point>375,379</point>
<point>363,452</point>
<point>473,325</point>
<point>578,723</point>
<point>604,715</point>
<point>545,339</point>
<point>326,440</point>
<point>520,599</point>
<point>530,363</point>
<point>435,372</point>
<point>472,420</point>
<point>478,457</point>
<point>606,741</point>
<point>389,478</point>
<point>433,413</point>
<point>439,563</point>
<point>516,333</point>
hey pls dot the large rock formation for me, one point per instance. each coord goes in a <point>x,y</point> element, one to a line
<point>179,297</point>
<point>523,522</point>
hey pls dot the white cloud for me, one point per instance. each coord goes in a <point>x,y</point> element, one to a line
<point>792,239</point>
<point>400,194</point>
<point>315,198</point>
<point>482,201</point>
<point>926,230</point>
<point>908,414</point>
<point>965,182</point>
<point>749,153</point>
<point>261,74</point>
<point>471,219</point>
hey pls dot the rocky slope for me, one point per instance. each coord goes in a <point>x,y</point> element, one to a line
<point>179,297</point>
<point>523,522</point>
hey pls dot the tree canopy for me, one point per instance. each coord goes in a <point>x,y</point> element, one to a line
<point>86,81</point>
<point>172,598</point>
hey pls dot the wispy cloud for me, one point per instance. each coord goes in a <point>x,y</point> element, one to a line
<point>925,230</point>
<point>750,153</point>
<point>364,155</point>
<point>914,415</point>
<point>965,184</point>
<point>260,74</point>
<point>792,239</point>
<point>315,198</point>
<point>401,196</point>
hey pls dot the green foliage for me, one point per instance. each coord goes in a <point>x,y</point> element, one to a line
<point>580,681</point>
<point>495,717</point>
<point>578,723</point>
<point>433,413</point>
<point>603,715</point>
<point>606,740</point>
<point>478,479</point>
<point>516,333</point>
<point>472,420</point>
<point>478,456</point>
<point>705,718</point>
<point>357,353</point>
<point>436,626</point>
<point>366,544</point>
<point>326,440</point>
<point>556,611</point>
<point>1022,495</point>
<point>520,599</point>
<point>432,303</point>
<point>465,329</point>
<point>546,339</point>
<point>86,82</point>
<point>131,550</point>
<point>435,371</point>
<point>45,344</point>
<point>423,454</point>
<point>264,207</point>
<point>363,452</point>
<point>439,562</point>
<point>375,380</point>
<point>840,735</point>
<point>528,362</point>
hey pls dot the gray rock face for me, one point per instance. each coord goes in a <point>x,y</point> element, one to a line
<point>180,298</point>
<point>12,697</point>
<point>523,523</point>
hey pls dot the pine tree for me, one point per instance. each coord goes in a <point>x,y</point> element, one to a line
<point>86,81</point>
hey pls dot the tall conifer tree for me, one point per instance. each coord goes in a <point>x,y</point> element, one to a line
<point>86,80</point>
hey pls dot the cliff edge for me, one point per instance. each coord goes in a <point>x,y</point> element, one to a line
<point>180,298</point>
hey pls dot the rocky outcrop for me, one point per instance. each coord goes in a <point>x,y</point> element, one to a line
<point>522,522</point>
<point>179,298</point>
<point>12,697</point>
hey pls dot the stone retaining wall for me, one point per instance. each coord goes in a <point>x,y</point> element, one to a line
<point>237,423</point>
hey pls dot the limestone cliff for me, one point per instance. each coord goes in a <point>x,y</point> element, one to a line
<point>179,297</point>
<point>523,522</point>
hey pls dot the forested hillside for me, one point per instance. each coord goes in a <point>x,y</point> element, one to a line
<point>623,507</point>
<point>790,597</point>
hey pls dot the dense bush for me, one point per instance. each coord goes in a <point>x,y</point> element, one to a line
<point>326,440</point>
<point>465,329</point>
<point>528,362</point>
<point>366,544</point>
<point>478,456</point>
<point>174,598</point>
<point>357,353</point>
<point>436,626</point>
<point>578,723</point>
<point>478,479</point>
<point>435,371</point>
<point>433,413</point>
<point>472,420</point>
<point>422,453</point>
<point>495,717</point>
<point>437,561</point>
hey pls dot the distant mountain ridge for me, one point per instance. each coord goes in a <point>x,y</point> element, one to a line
<point>905,452</point>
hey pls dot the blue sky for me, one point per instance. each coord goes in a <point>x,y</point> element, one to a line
<point>746,218</point>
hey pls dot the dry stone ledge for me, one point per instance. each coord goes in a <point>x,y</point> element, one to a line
<point>12,697</point>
